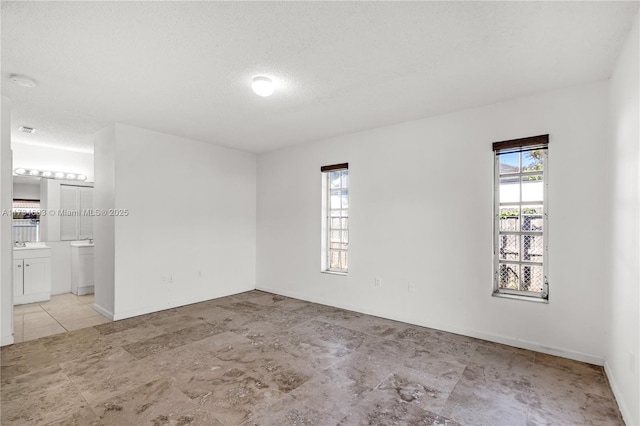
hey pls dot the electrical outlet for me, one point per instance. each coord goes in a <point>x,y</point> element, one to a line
<point>199,274</point>
<point>163,279</point>
<point>170,278</point>
<point>377,282</point>
<point>411,287</point>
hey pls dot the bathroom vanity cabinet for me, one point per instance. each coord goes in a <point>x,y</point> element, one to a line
<point>31,275</point>
<point>82,268</point>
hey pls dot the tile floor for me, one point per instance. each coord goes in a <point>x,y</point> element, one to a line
<point>260,359</point>
<point>64,312</point>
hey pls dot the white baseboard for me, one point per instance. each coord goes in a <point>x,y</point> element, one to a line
<point>83,291</point>
<point>175,304</point>
<point>6,340</point>
<point>624,410</point>
<point>102,311</point>
<point>505,340</point>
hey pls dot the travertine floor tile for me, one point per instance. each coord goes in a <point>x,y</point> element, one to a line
<point>288,411</point>
<point>262,359</point>
<point>342,386</point>
<point>40,397</point>
<point>484,399</point>
<point>108,373</point>
<point>239,397</point>
<point>333,333</point>
<point>427,391</point>
<point>83,417</point>
<point>569,392</point>
<point>383,408</point>
<point>156,403</point>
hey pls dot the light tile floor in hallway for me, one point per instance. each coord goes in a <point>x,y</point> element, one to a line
<point>260,359</point>
<point>64,312</point>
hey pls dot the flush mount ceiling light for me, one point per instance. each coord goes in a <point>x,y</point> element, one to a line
<point>23,80</point>
<point>262,86</point>
<point>49,174</point>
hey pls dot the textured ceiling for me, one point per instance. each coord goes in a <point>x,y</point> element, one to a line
<point>185,68</point>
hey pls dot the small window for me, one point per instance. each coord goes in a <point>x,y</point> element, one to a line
<point>520,218</point>
<point>26,221</point>
<point>335,210</point>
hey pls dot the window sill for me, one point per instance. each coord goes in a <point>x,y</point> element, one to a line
<point>344,274</point>
<point>518,297</point>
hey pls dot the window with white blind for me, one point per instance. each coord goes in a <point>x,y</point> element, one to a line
<point>520,218</point>
<point>335,229</point>
<point>75,203</point>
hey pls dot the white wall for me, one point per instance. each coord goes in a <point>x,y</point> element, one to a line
<point>414,188</point>
<point>623,341</point>
<point>104,227</point>
<point>192,217</point>
<point>43,158</point>
<point>6,254</point>
<point>26,191</point>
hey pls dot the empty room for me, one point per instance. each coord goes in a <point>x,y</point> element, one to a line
<point>320,213</point>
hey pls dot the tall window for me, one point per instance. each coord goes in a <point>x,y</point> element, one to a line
<point>520,226</point>
<point>335,218</point>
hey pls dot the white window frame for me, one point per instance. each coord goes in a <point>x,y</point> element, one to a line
<point>526,144</point>
<point>326,249</point>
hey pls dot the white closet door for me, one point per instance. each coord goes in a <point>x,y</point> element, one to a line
<point>85,195</point>
<point>68,207</point>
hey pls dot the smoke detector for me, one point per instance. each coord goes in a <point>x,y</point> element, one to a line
<point>26,129</point>
<point>23,80</point>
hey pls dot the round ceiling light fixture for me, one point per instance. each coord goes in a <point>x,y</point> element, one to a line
<point>262,86</point>
<point>23,80</point>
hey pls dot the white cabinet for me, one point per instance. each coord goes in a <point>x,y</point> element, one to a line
<point>31,275</point>
<point>82,268</point>
<point>18,278</point>
<point>76,202</point>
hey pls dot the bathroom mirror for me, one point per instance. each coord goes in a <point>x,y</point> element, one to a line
<point>26,209</point>
<point>39,204</point>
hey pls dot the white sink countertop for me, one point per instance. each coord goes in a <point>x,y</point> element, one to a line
<point>82,244</point>
<point>33,246</point>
